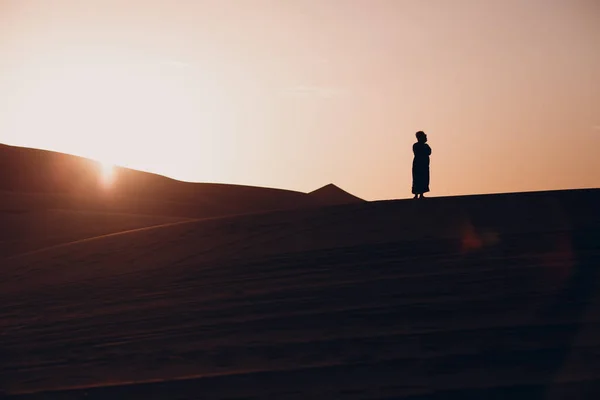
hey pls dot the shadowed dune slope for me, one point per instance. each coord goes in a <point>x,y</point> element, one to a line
<point>56,180</point>
<point>464,297</point>
<point>24,231</point>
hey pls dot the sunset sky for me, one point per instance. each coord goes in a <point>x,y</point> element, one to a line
<point>296,94</point>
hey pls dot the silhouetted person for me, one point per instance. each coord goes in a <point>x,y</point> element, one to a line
<point>420,167</point>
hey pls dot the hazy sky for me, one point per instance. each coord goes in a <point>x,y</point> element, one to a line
<point>296,94</point>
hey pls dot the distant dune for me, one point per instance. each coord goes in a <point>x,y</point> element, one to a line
<point>331,194</point>
<point>493,296</point>
<point>54,180</point>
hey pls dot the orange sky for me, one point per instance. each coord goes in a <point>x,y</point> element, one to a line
<point>299,93</point>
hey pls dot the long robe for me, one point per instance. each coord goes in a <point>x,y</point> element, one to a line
<point>420,168</point>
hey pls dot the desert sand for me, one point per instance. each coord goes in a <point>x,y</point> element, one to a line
<point>477,297</point>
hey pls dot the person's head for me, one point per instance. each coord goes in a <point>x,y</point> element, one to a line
<point>421,137</point>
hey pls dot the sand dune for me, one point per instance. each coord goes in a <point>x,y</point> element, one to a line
<point>48,198</point>
<point>464,297</point>
<point>56,180</point>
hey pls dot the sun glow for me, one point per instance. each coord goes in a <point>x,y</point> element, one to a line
<point>145,114</point>
<point>107,174</point>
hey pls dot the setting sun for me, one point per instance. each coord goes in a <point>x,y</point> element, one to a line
<point>107,174</point>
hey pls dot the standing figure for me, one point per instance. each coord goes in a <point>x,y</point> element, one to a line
<point>420,167</point>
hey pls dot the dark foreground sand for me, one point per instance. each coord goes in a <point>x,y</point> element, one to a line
<point>26,231</point>
<point>480,297</point>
